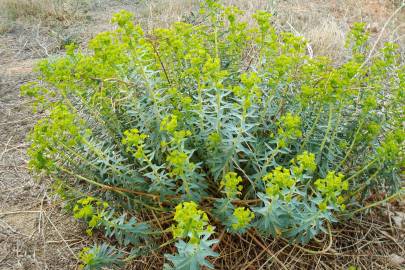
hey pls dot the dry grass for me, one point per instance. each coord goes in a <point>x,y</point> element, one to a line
<point>5,26</point>
<point>44,9</point>
<point>46,12</point>
<point>323,22</point>
<point>28,240</point>
<point>366,242</point>
<point>327,39</point>
<point>162,13</point>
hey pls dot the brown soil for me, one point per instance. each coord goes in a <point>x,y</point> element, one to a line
<point>35,233</point>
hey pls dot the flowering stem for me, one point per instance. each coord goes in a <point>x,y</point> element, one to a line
<point>335,130</point>
<point>200,106</point>
<point>326,132</point>
<point>348,152</point>
<point>311,131</point>
<point>399,193</point>
<point>362,170</point>
<point>267,162</point>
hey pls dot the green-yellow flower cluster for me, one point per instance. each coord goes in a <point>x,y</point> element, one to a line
<point>190,222</point>
<point>179,162</point>
<point>289,128</point>
<point>278,180</point>
<point>243,218</point>
<point>134,142</point>
<point>91,210</point>
<point>331,187</point>
<point>304,161</point>
<point>231,183</point>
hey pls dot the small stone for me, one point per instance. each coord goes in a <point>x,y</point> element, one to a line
<point>399,219</point>
<point>396,260</point>
<point>374,27</point>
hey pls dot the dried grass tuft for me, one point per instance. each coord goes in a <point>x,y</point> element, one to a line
<point>371,241</point>
<point>46,11</point>
<point>327,38</point>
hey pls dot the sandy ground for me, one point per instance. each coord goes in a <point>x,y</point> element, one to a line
<point>35,232</point>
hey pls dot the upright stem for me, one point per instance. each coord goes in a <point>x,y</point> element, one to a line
<point>363,169</point>
<point>201,106</point>
<point>349,151</point>
<point>267,162</point>
<point>339,118</point>
<point>328,129</point>
<point>218,109</point>
<point>216,41</point>
<point>311,131</point>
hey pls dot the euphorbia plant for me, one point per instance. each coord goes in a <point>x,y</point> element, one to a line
<point>172,132</point>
